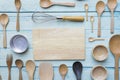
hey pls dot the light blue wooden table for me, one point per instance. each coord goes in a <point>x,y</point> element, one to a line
<point>29,7</point>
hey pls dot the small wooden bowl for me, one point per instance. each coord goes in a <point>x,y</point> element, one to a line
<point>100,53</point>
<point>99,73</point>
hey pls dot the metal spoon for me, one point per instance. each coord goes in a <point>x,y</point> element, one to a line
<point>63,69</point>
<point>86,9</point>
<point>77,68</point>
<point>4,21</point>
<point>48,3</point>
<point>91,39</point>
<point>92,21</point>
<point>112,5</point>
<point>100,6</point>
<point>19,64</point>
<point>18,6</point>
<point>9,61</point>
<point>30,67</point>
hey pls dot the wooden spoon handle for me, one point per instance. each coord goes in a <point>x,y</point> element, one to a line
<point>30,77</point>
<point>17,22</point>
<point>20,74</point>
<point>112,23</point>
<point>9,74</point>
<point>4,38</point>
<point>64,4</point>
<point>86,15</point>
<point>99,26</point>
<point>116,67</point>
<point>74,18</point>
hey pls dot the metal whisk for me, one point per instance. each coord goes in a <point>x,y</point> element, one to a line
<point>40,17</point>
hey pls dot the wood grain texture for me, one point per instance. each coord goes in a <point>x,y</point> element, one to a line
<point>59,44</point>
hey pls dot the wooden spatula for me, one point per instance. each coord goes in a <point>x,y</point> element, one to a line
<point>46,71</point>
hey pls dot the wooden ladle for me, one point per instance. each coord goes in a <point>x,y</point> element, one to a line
<point>4,21</point>
<point>112,5</point>
<point>63,69</point>
<point>30,67</point>
<point>100,6</point>
<point>48,3</point>
<point>19,64</point>
<point>114,45</point>
<point>18,6</point>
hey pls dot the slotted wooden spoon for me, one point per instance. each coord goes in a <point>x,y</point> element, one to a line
<point>114,45</point>
<point>46,71</point>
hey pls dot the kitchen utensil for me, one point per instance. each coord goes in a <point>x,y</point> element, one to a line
<point>77,68</point>
<point>19,64</point>
<point>4,21</point>
<point>114,45</point>
<point>30,67</point>
<point>99,73</point>
<point>19,43</point>
<point>40,17</point>
<point>59,44</point>
<point>63,69</point>
<point>18,6</point>
<point>49,3</point>
<point>112,5</point>
<point>91,39</point>
<point>86,9</point>
<point>100,6</point>
<point>9,61</point>
<point>100,53</point>
<point>46,71</point>
<point>92,21</point>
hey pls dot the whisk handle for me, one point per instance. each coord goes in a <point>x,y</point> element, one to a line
<point>74,18</point>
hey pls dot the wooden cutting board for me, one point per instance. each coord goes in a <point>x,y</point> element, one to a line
<point>59,43</point>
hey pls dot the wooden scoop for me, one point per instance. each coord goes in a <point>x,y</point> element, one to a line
<point>111,5</point>
<point>114,45</point>
<point>30,67</point>
<point>63,69</point>
<point>46,71</point>
<point>48,3</point>
<point>4,21</point>
<point>100,6</point>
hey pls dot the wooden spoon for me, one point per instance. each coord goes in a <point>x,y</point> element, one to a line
<point>4,21</point>
<point>91,39</point>
<point>86,9</point>
<point>77,68</point>
<point>112,5</point>
<point>19,64</point>
<point>63,69</point>
<point>100,6</point>
<point>46,71</point>
<point>48,3</point>
<point>18,6</point>
<point>92,21</point>
<point>30,67</point>
<point>114,45</point>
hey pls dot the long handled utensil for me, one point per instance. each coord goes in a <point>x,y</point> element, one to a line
<point>112,5</point>
<point>9,61</point>
<point>114,45</point>
<point>40,17</point>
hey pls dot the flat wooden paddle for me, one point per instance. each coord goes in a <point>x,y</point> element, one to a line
<point>114,45</point>
<point>46,71</point>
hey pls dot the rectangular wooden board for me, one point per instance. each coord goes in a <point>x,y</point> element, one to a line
<point>59,44</point>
